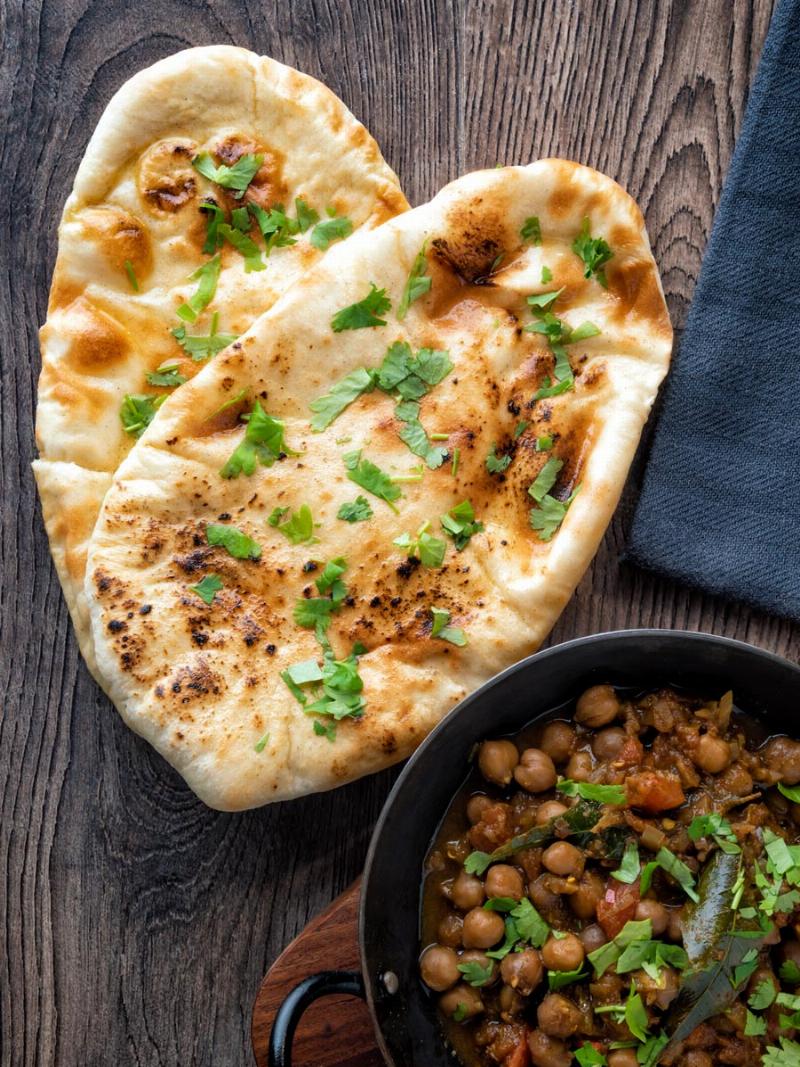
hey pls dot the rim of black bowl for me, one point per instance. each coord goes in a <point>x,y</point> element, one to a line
<point>610,637</point>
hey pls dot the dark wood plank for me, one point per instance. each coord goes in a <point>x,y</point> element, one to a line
<point>137,924</point>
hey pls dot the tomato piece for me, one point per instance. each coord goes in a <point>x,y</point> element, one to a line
<point>521,1056</point>
<point>617,906</point>
<point>631,752</point>
<point>654,791</point>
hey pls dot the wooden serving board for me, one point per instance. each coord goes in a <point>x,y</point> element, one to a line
<point>335,1031</point>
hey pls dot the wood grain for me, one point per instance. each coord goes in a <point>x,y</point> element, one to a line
<point>136,924</point>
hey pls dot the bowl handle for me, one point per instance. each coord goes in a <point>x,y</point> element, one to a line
<point>305,993</point>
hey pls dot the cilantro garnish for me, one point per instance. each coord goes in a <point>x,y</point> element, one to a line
<point>237,177</point>
<point>546,517</point>
<point>717,827</point>
<point>335,692</point>
<point>328,407</point>
<point>275,225</point>
<point>544,443</point>
<point>789,972</point>
<point>635,930</point>
<point>355,511</point>
<point>559,979</point>
<point>324,233</point>
<point>132,279</point>
<point>594,252</point>
<point>138,410</point>
<point>441,628</point>
<point>261,744</point>
<point>456,458</point>
<point>636,1015</point>
<point>207,588</point>
<point>547,275</point>
<point>167,375</point>
<point>605,794</point>
<point>417,284</point>
<point>545,479</point>
<point>497,464</point>
<point>678,870</point>
<point>460,524</point>
<point>413,435</point>
<point>207,277</point>
<point>306,215</point>
<point>370,477</point>
<point>548,390</point>
<point>364,313</point>
<point>763,996</point>
<point>475,974</point>
<point>630,866</point>
<point>245,245</point>
<point>460,1014</point>
<point>790,792</point>
<point>531,230</point>
<point>263,443</point>
<point>215,216</point>
<point>587,1055</point>
<point>520,429</point>
<point>203,348</point>
<point>240,219</point>
<point>543,301</point>
<point>410,376</point>
<point>649,1053</point>
<point>298,528</point>
<point>234,541</point>
<point>428,549</point>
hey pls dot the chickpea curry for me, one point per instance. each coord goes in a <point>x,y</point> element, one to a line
<point>621,889</point>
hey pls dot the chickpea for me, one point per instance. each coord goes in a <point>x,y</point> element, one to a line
<point>549,810</point>
<point>482,928</point>
<point>503,880</point>
<point>623,1057</point>
<point>580,766</point>
<point>697,1057</point>
<point>736,780</point>
<point>607,745</point>
<point>511,1003</point>
<point>476,806</point>
<point>463,997</point>
<point>522,971</point>
<point>589,894</point>
<point>790,951</point>
<point>449,930</point>
<point>656,913</point>
<point>598,706</point>
<point>592,937</point>
<point>548,1051</point>
<point>782,755</point>
<point>558,741</point>
<point>563,953</point>
<point>536,771</point>
<point>712,754</point>
<point>542,896</point>
<point>497,760</point>
<point>467,891</point>
<point>564,859</point>
<point>558,1016</point>
<point>438,966</point>
<point>674,924</point>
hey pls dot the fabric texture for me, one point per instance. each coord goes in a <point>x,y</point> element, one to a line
<point>720,505</point>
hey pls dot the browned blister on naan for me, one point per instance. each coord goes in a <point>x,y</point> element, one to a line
<point>133,232</point>
<point>203,681</point>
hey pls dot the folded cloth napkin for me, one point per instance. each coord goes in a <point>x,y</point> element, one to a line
<point>720,504</point>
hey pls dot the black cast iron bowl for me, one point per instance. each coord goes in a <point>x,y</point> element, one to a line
<point>406,1028</point>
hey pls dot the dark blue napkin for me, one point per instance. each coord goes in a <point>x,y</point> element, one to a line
<point>720,505</point>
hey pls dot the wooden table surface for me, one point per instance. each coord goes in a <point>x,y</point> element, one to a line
<point>137,924</point>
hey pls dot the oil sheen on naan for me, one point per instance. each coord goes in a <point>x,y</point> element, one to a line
<point>226,684</point>
<point>133,231</point>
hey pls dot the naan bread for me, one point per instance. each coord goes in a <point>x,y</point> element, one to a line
<point>203,682</point>
<point>133,219</point>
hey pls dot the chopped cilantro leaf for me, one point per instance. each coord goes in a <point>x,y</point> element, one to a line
<point>715,826</point>
<point>167,376</point>
<point>207,588</point>
<point>559,979</point>
<point>417,284</point>
<point>754,1026</point>
<point>325,729</point>
<point>588,1056</point>
<point>325,233</point>
<point>215,216</point>
<point>240,219</point>
<point>237,177</point>
<point>520,429</point>
<point>132,279</point>
<point>630,866</point>
<point>460,1014</point>
<point>207,277</point>
<point>546,517</point>
<point>263,442</point>
<point>244,245</point>
<point>370,477</point>
<point>275,225</point>
<point>475,974</point>
<point>441,628</point>
<point>544,444</point>
<point>328,407</point>
<point>262,742</point>
<point>548,390</point>
<point>497,464</point>
<point>531,230</point>
<point>364,313</point>
<point>428,549</point>
<point>605,794</point>
<point>543,301</point>
<point>547,275</point>
<point>636,1015</point>
<point>460,524</point>
<point>678,870</point>
<point>594,252</point>
<point>789,973</point>
<point>298,528</point>
<point>138,410</point>
<point>355,511</point>
<point>545,479</point>
<point>414,436</point>
<point>329,581</point>
<point>306,215</point>
<point>790,792</point>
<point>763,996</point>
<point>202,348</point>
<point>234,541</point>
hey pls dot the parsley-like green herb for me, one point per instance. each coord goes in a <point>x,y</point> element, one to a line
<point>559,979</point>
<point>497,464</point>
<point>549,513</point>
<point>717,827</point>
<point>237,177</point>
<point>409,376</point>
<point>547,275</point>
<point>206,277</point>
<point>325,233</point>
<point>789,972</point>
<point>544,443</point>
<point>336,688</point>
<point>594,252</point>
<point>263,442</point>
<point>355,511</point>
<point>370,477</point>
<point>531,230</point>
<point>417,284</point>
<point>245,245</point>
<point>604,794</point>
<point>202,348</point>
<point>428,549</point>
<point>547,390</point>
<point>167,375</point>
<point>132,279</point>
<point>275,225</point>
<point>364,313</point>
<point>207,588</point>
<point>234,541</point>
<point>441,628</point>
<point>753,1026</point>
<point>543,301</point>
<point>678,870</point>
<point>636,1015</point>
<point>413,435</point>
<point>545,479</point>
<point>763,995</point>
<point>460,524</point>
<point>138,410</point>
<point>298,528</point>
<point>456,458</point>
<point>240,219</point>
<point>630,866</point>
<point>790,792</point>
<point>588,1056</point>
<point>460,1014</point>
<point>328,407</point>
<point>262,742</point>
<point>215,216</point>
<point>649,1053</point>
<point>475,974</point>
<point>520,429</point>
<point>306,215</point>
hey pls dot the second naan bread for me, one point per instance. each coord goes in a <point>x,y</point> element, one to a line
<point>411,501</point>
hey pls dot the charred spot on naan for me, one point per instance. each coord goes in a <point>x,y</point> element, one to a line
<point>121,238</point>
<point>165,178</point>
<point>191,683</point>
<point>635,285</point>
